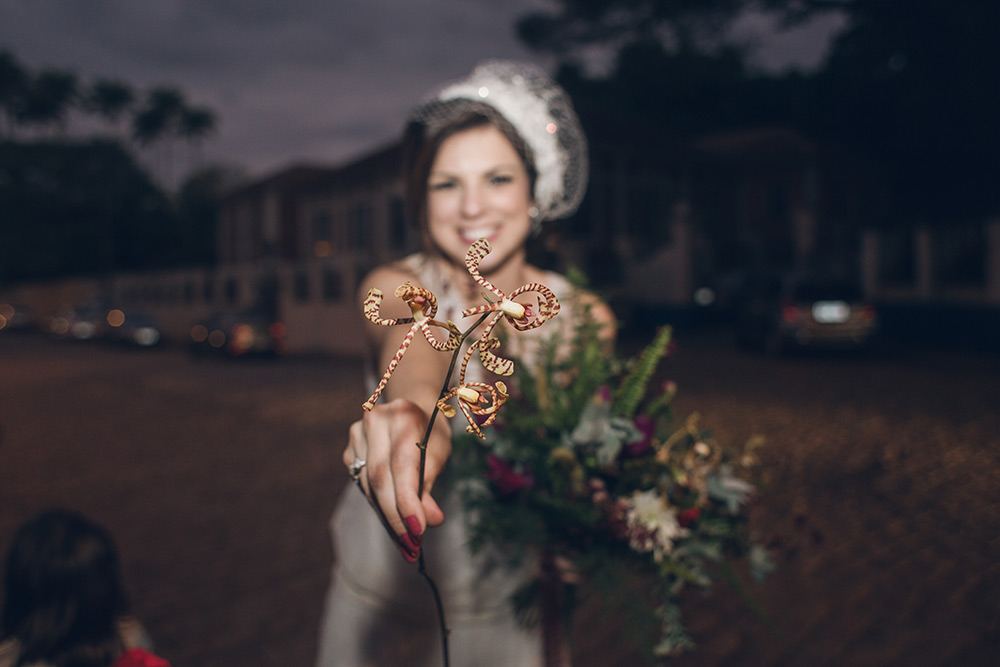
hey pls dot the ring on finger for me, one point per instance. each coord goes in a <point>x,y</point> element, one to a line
<point>356,467</point>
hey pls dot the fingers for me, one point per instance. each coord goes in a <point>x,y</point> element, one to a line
<point>432,511</point>
<point>379,437</point>
<point>438,451</point>
<point>386,438</point>
<point>405,468</point>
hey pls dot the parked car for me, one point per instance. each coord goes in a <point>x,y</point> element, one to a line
<point>15,317</point>
<point>779,314</point>
<point>238,333</point>
<point>133,327</point>
<point>87,321</point>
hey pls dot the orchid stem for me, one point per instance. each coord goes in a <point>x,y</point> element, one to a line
<point>420,484</point>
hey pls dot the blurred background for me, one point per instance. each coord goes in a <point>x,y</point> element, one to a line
<point>805,189</point>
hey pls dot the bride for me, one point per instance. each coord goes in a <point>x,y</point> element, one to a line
<point>492,156</point>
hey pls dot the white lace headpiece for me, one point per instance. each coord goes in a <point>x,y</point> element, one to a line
<point>541,113</point>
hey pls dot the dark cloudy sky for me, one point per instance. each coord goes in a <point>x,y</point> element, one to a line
<point>293,80</point>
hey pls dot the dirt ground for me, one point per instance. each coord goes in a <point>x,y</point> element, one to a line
<point>882,507</point>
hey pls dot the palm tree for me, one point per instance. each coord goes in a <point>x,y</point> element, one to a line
<point>109,99</point>
<point>13,86</point>
<point>196,123</point>
<point>157,122</point>
<point>50,96</point>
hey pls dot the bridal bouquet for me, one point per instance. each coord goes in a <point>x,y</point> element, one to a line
<point>587,466</point>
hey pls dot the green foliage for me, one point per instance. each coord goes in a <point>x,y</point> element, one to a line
<point>587,361</point>
<point>636,384</point>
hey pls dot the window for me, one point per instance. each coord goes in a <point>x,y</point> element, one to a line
<point>301,286</point>
<point>333,285</point>
<point>360,221</point>
<point>322,233</point>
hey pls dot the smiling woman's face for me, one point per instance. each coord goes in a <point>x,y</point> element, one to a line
<point>478,187</point>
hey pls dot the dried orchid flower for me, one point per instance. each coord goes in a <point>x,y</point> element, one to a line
<point>423,305</point>
<point>521,316</point>
<point>475,399</point>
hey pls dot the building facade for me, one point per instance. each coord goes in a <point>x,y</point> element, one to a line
<point>661,226</point>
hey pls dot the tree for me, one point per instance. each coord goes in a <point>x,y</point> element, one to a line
<point>198,211</point>
<point>157,122</point>
<point>915,83</point>
<point>195,124</point>
<point>912,84</point>
<point>616,23</point>
<point>109,99</point>
<point>48,99</point>
<point>81,208</point>
<point>13,88</point>
<point>157,119</point>
<point>576,24</point>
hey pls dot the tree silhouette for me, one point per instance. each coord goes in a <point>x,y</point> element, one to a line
<point>49,97</point>
<point>197,205</point>
<point>156,124</point>
<point>915,83</point>
<point>109,99</point>
<point>91,198</point>
<point>912,84</point>
<point>13,87</point>
<point>85,206</point>
<point>577,24</point>
<point>195,124</point>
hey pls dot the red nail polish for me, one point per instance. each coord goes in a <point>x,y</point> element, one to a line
<point>413,525</point>
<point>410,543</point>
<point>410,558</point>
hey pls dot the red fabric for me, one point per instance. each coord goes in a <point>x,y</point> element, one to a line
<point>137,657</point>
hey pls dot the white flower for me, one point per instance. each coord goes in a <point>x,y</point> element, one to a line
<point>652,524</point>
<point>725,486</point>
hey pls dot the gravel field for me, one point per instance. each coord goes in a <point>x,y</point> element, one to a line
<point>882,506</point>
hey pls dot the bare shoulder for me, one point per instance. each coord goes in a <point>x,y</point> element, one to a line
<point>385,278</point>
<point>595,305</point>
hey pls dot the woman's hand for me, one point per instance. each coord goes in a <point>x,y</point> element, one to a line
<point>387,438</point>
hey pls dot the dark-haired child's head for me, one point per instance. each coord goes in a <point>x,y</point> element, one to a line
<point>63,591</point>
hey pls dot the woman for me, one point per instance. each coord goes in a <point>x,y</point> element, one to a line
<point>64,603</point>
<point>492,156</point>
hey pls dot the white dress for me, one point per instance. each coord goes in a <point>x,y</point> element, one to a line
<point>379,610</point>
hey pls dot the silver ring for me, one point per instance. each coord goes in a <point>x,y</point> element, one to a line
<point>355,468</point>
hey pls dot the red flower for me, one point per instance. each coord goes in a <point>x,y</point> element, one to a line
<point>687,517</point>
<point>646,426</point>
<point>506,480</point>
